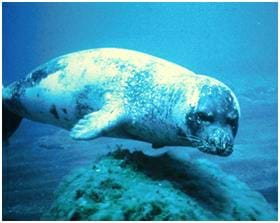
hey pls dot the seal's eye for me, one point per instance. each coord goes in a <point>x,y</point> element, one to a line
<point>207,117</point>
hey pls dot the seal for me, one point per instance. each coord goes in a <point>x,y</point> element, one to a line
<point>126,94</point>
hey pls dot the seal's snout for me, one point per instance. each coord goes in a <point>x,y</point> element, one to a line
<point>220,142</point>
<point>224,150</point>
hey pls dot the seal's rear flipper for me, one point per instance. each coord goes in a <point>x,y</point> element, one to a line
<point>10,122</point>
<point>97,123</point>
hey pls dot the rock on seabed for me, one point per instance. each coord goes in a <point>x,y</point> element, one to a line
<point>127,185</point>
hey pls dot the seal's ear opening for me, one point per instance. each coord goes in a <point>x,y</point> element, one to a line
<point>10,123</point>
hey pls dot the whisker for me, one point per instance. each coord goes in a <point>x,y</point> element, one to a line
<point>188,138</point>
<point>201,144</point>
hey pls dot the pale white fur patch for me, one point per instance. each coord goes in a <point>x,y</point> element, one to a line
<point>51,82</point>
<point>193,100</point>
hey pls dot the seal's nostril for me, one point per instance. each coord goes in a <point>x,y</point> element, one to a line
<point>212,141</point>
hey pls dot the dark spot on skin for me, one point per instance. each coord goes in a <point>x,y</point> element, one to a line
<point>82,106</point>
<point>37,95</point>
<point>83,73</point>
<point>54,112</point>
<point>64,110</point>
<point>66,119</point>
<point>38,75</point>
<point>42,72</point>
<point>61,76</point>
<point>122,67</point>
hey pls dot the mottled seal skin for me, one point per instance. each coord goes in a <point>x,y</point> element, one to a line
<point>128,94</point>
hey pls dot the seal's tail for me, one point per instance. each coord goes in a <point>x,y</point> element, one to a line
<point>10,121</point>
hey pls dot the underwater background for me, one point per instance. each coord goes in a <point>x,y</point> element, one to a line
<point>233,42</point>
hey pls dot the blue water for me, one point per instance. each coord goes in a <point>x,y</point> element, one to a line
<point>233,42</point>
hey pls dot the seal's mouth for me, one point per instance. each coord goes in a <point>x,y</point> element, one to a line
<point>209,147</point>
<point>216,150</point>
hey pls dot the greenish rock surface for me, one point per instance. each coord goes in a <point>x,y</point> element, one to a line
<point>133,186</point>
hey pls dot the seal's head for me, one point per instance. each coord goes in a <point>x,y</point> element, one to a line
<point>212,122</point>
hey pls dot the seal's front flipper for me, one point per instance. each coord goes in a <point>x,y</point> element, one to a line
<point>97,123</point>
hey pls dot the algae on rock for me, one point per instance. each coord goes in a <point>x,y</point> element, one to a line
<point>133,186</point>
